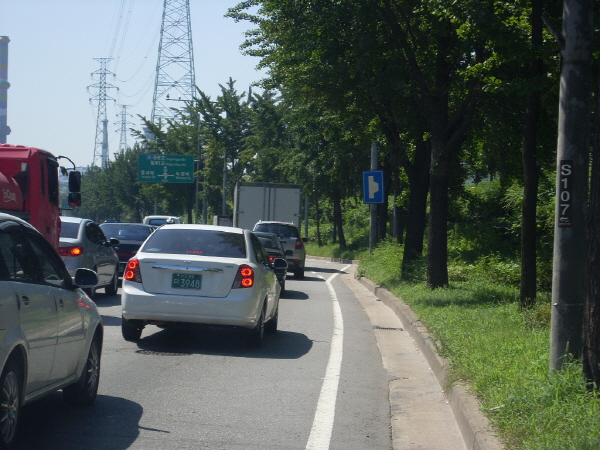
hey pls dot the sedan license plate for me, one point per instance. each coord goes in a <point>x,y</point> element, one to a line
<point>186,281</point>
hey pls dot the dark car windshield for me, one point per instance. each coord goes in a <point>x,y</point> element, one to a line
<point>126,232</point>
<point>280,230</point>
<point>69,230</point>
<point>196,242</point>
<point>268,243</point>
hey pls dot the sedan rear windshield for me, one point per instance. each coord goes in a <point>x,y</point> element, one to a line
<point>196,242</point>
<point>284,231</point>
<point>126,232</point>
<point>69,230</point>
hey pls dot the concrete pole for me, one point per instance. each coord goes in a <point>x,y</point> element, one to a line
<point>572,183</point>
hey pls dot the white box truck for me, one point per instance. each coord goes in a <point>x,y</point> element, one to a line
<point>253,202</point>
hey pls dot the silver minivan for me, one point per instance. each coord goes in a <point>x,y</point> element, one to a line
<point>83,244</point>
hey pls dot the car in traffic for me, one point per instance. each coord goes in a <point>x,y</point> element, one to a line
<point>51,333</point>
<point>274,249</point>
<point>290,238</point>
<point>131,236</point>
<point>204,275</point>
<point>160,220</point>
<point>83,244</point>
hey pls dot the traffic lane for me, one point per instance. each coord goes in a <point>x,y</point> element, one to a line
<point>362,409</point>
<point>205,389</point>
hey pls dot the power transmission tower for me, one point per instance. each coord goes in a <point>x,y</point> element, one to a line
<point>175,76</point>
<point>101,144</point>
<point>123,127</point>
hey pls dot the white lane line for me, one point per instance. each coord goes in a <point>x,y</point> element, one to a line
<point>320,433</point>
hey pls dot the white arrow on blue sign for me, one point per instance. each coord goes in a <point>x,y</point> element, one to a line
<point>373,186</point>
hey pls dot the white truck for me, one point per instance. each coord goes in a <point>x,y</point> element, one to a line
<point>253,202</point>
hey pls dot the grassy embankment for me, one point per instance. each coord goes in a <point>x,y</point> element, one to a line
<point>500,351</point>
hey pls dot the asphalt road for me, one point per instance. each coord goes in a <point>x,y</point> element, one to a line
<point>323,381</point>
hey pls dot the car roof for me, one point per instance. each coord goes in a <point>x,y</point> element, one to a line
<point>6,217</point>
<point>74,219</point>
<point>192,226</point>
<point>127,224</point>
<point>275,222</point>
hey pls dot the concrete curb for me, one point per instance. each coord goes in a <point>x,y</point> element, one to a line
<point>472,422</point>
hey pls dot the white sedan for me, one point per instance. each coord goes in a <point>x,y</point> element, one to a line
<point>201,274</point>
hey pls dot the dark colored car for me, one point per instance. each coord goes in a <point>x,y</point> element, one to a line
<point>274,249</point>
<point>130,235</point>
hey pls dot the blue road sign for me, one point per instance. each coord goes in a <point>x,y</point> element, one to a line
<point>373,186</point>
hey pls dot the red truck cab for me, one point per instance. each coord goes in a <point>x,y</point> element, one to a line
<point>30,188</point>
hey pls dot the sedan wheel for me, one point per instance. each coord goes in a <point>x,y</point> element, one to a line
<point>10,403</point>
<point>130,330</point>
<point>83,393</point>
<point>255,338</point>
<point>282,283</point>
<point>271,325</point>
<point>113,287</point>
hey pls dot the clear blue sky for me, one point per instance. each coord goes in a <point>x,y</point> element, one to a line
<point>51,54</point>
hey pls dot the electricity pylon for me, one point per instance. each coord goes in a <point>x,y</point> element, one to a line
<point>101,143</point>
<point>175,76</point>
<point>123,127</point>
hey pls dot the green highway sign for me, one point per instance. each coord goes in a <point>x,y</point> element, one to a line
<point>156,168</point>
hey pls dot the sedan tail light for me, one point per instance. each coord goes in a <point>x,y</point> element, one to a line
<point>244,277</point>
<point>299,244</point>
<point>132,271</point>
<point>70,251</point>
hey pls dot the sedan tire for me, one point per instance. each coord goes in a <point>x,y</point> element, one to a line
<point>85,390</point>
<point>113,287</point>
<point>10,404</point>
<point>130,330</point>
<point>271,324</point>
<point>256,335</point>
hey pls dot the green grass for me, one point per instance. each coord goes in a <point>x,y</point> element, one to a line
<point>501,351</point>
<point>332,251</point>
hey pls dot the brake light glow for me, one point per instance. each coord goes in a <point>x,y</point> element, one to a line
<point>244,277</point>
<point>299,244</point>
<point>70,251</point>
<point>132,271</point>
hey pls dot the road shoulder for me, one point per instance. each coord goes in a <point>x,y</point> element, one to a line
<point>475,428</point>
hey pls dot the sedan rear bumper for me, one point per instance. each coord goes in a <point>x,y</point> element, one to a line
<point>241,309</point>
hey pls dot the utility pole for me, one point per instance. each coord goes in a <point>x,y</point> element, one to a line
<point>175,77</point>
<point>101,143</point>
<point>373,206</point>
<point>571,182</point>
<point>4,85</point>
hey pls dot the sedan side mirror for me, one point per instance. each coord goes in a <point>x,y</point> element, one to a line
<point>280,263</point>
<point>85,278</point>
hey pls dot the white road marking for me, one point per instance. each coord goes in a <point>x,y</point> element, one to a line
<point>320,433</point>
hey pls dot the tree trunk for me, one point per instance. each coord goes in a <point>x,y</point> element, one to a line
<point>416,218</point>
<point>318,216</point>
<point>382,219</point>
<point>437,242</point>
<point>527,292</point>
<point>338,219</point>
